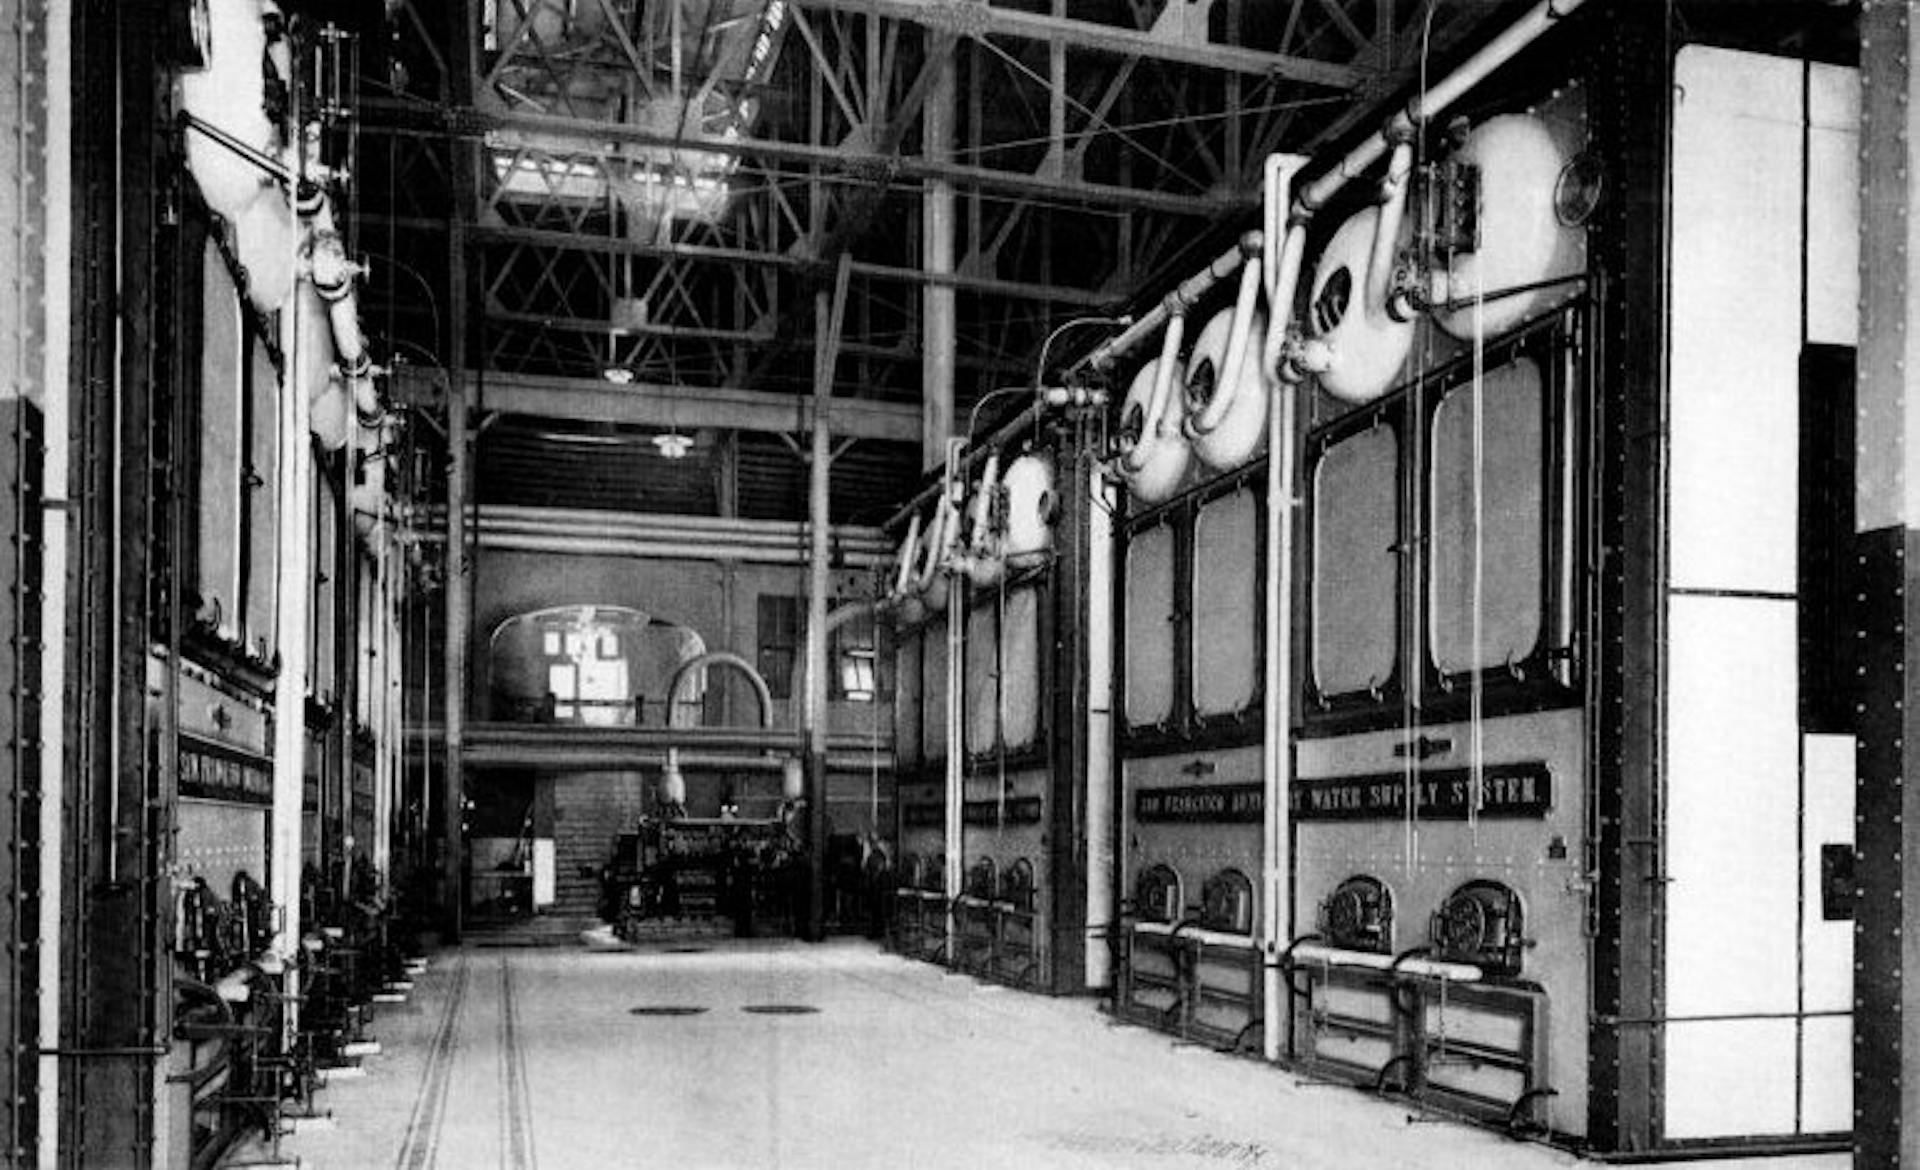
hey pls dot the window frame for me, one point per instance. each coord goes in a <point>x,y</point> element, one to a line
<point>1550,675</point>
<point>779,682</point>
<point>1389,412</point>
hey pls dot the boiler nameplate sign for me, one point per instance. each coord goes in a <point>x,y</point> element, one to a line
<point>1021,810</point>
<point>1200,804</point>
<point>1506,790</point>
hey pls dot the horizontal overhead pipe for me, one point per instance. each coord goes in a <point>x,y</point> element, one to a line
<point>1007,433</point>
<point>663,549</point>
<point>793,532</point>
<point>643,535</point>
<point>1426,106</point>
<point>1184,296</point>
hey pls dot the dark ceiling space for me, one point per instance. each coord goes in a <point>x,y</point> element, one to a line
<point>663,194</point>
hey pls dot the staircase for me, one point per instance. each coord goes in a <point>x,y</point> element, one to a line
<point>589,809</point>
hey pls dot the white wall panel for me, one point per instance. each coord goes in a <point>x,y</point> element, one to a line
<point>1730,1078</point>
<point>1826,1075</point>
<point>1733,779</point>
<point>1736,320</point>
<point>1833,205</point>
<point>1828,819</point>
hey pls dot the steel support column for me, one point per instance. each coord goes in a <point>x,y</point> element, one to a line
<point>829,312</point>
<point>458,584</point>
<point>1886,1076</point>
<point>939,340</point>
<point>458,571</point>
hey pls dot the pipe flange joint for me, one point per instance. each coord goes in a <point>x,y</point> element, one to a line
<point>1399,131</point>
<point>1253,243</point>
<point>1176,303</point>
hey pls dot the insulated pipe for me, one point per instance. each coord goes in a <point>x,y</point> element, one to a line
<point>1276,741</point>
<point>983,562</point>
<point>1150,438</point>
<point>1187,293</point>
<point>720,658</point>
<point>1424,107</point>
<point>1286,246</point>
<point>333,277</point>
<point>940,541</point>
<point>1386,230</point>
<point>761,554</point>
<point>909,551</point>
<point>1226,385</point>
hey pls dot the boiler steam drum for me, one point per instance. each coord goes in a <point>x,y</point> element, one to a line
<point>1154,455</point>
<point>1242,431</point>
<point>230,94</point>
<point>1028,482</point>
<point>1360,347</point>
<point>1535,194</point>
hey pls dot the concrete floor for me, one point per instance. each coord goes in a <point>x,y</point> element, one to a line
<point>519,1058</point>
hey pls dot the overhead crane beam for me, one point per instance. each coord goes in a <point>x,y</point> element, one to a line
<point>468,123</point>
<point>979,18</point>
<point>653,404</point>
<point>599,245</point>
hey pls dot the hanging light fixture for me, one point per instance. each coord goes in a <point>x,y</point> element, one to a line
<point>673,444</point>
<point>793,780</point>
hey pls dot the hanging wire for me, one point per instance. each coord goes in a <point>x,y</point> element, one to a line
<point>1000,704</point>
<point>1476,716</point>
<point>1415,547</point>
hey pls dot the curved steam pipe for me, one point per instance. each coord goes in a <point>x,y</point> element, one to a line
<point>721,658</point>
<point>1151,439</point>
<point>1226,386</point>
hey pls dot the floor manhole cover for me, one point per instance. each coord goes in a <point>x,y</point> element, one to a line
<point>666,1010</point>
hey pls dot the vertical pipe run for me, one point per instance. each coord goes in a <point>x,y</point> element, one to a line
<point>938,339</point>
<point>1282,268</point>
<point>291,593</point>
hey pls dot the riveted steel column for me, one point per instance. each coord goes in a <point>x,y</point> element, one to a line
<point>937,306</point>
<point>1629,115</point>
<point>829,313</point>
<point>1887,505</point>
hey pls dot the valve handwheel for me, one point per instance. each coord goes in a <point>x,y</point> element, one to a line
<point>1347,919</point>
<point>1463,927</point>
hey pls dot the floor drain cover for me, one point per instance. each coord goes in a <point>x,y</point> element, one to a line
<point>687,950</point>
<point>666,1010</point>
<point>780,1009</point>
